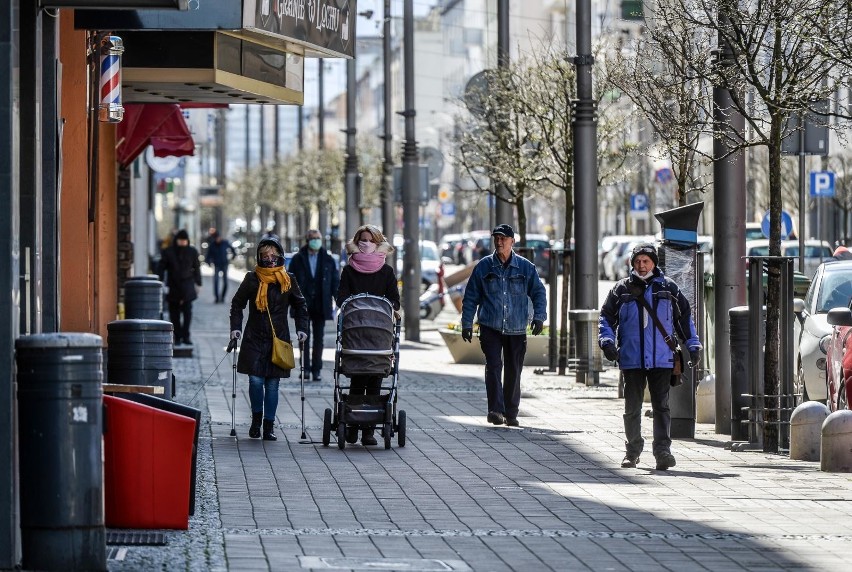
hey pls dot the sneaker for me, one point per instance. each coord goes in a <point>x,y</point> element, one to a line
<point>496,418</point>
<point>629,462</point>
<point>512,421</point>
<point>664,461</point>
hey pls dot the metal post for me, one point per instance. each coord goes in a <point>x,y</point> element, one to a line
<point>351,176</point>
<point>410,189</point>
<point>502,208</point>
<point>755,349</point>
<point>585,167</point>
<point>322,208</point>
<point>729,212</point>
<point>802,199</point>
<point>786,399</point>
<point>387,165</point>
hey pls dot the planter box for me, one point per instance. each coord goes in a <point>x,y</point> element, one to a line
<point>464,352</point>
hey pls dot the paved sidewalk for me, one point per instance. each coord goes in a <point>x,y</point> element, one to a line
<point>465,495</point>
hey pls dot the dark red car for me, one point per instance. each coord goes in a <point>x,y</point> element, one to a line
<point>838,370</point>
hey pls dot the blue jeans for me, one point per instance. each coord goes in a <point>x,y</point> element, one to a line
<point>220,271</point>
<point>263,394</point>
<point>504,357</point>
<point>634,392</point>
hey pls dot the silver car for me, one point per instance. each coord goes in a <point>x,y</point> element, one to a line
<point>831,288</point>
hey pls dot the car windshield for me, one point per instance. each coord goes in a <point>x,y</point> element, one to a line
<point>835,291</point>
<point>428,252</point>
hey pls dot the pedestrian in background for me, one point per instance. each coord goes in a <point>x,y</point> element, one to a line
<point>319,278</point>
<point>180,270</point>
<point>217,256</point>
<point>629,334</point>
<point>269,292</point>
<point>499,290</point>
<point>367,273</point>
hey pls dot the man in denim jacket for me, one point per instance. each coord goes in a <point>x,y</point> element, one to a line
<point>501,286</point>
<point>628,334</point>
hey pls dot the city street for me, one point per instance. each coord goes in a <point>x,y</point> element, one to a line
<point>466,495</point>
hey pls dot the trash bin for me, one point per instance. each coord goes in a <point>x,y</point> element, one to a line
<point>139,352</point>
<point>180,409</point>
<point>59,440</point>
<point>588,354</point>
<point>143,298</point>
<point>147,458</point>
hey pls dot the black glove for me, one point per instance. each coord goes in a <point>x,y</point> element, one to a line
<point>537,327</point>
<point>695,357</point>
<point>610,352</point>
<point>467,334</point>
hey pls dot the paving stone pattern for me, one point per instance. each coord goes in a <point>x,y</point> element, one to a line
<point>466,495</point>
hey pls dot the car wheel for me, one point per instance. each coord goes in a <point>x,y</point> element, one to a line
<point>800,389</point>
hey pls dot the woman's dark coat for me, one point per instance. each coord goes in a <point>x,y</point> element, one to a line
<point>181,269</point>
<point>255,356</point>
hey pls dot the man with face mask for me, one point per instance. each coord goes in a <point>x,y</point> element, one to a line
<point>628,334</point>
<point>318,277</point>
<point>180,269</point>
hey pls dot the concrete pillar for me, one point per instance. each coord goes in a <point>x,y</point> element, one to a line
<point>836,450</point>
<point>805,426</point>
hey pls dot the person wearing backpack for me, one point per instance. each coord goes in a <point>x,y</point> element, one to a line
<point>634,316</point>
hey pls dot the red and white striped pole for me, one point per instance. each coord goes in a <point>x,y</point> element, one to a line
<point>110,109</point>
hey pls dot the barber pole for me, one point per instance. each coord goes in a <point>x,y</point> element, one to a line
<point>110,109</point>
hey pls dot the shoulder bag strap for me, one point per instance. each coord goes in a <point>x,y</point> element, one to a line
<point>666,336</point>
<point>270,322</point>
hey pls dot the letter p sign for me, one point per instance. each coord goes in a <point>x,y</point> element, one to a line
<point>822,184</point>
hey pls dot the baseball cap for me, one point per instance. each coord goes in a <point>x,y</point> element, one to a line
<point>503,230</point>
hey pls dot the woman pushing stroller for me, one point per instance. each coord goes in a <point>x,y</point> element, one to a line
<point>269,292</point>
<point>367,273</point>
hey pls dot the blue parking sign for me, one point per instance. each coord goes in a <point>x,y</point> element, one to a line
<point>639,202</point>
<point>822,184</point>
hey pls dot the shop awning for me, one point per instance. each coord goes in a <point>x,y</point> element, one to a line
<point>160,125</point>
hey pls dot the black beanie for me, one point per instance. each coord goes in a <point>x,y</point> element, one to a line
<point>647,249</point>
<point>182,234</point>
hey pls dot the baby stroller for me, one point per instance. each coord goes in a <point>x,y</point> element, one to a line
<point>367,344</point>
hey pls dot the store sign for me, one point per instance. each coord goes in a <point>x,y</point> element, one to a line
<point>326,25</point>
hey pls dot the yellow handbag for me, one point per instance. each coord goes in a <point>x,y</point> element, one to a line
<point>282,352</point>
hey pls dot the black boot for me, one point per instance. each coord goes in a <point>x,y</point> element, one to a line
<point>268,430</point>
<point>254,430</point>
<point>367,437</point>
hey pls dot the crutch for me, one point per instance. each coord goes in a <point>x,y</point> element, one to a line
<point>232,348</point>
<point>302,383</point>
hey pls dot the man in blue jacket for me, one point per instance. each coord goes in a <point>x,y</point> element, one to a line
<point>500,287</point>
<point>627,333</point>
<point>318,277</point>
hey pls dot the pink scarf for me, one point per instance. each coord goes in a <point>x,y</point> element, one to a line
<point>367,263</point>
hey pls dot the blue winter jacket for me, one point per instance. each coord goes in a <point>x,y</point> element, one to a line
<point>502,295</point>
<point>625,322</point>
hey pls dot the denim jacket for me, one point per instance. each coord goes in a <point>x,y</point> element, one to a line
<point>502,295</point>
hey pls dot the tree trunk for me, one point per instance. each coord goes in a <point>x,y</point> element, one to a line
<point>771,375</point>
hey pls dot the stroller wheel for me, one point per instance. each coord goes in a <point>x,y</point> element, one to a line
<point>386,431</point>
<point>326,428</point>
<point>341,435</point>
<point>400,429</point>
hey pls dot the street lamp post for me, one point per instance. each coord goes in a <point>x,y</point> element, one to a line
<point>353,213</point>
<point>502,207</point>
<point>387,165</point>
<point>410,189</point>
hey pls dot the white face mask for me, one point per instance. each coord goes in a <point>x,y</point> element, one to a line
<point>645,276</point>
<point>367,247</point>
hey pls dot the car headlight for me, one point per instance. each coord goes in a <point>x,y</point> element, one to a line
<point>824,342</point>
<point>820,363</point>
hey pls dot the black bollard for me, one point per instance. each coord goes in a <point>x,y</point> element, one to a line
<point>140,353</point>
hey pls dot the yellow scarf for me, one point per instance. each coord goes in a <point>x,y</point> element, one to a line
<point>269,276</point>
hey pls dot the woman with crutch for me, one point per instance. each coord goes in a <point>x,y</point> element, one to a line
<point>269,292</point>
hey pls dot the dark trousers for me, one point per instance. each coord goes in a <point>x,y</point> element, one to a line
<point>220,271</point>
<point>365,385</point>
<point>313,347</point>
<point>504,355</point>
<point>180,315</point>
<point>634,392</point>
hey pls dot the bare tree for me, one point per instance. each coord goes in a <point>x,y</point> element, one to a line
<point>783,64</point>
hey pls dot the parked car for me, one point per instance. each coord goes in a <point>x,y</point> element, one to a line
<point>816,251</point>
<point>454,249</point>
<point>838,371</point>
<point>431,266</point>
<point>831,287</point>
<point>611,258</point>
<point>539,243</point>
<point>754,231</point>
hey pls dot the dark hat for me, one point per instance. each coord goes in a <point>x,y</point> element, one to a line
<point>647,249</point>
<point>182,234</point>
<point>503,230</point>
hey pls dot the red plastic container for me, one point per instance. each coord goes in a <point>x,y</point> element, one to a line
<point>147,465</point>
